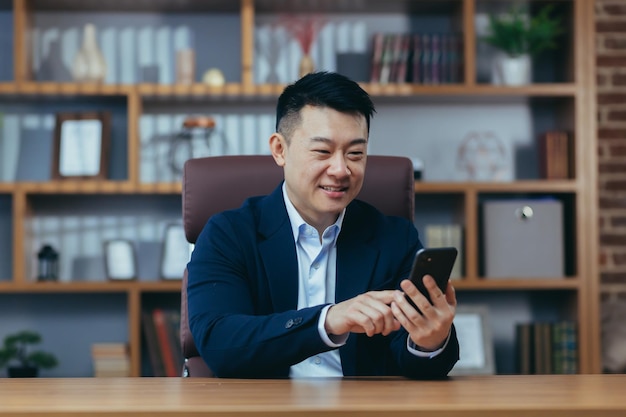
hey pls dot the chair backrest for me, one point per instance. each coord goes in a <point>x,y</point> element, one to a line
<point>218,183</point>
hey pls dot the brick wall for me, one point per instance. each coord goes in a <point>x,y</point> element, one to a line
<point>611,100</point>
<point>611,93</point>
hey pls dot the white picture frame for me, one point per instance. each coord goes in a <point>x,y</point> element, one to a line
<point>176,252</point>
<point>475,341</point>
<point>81,145</point>
<point>120,260</point>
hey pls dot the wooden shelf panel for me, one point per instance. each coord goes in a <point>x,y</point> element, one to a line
<point>187,6</point>
<point>90,287</point>
<point>260,91</point>
<point>535,284</point>
<point>543,186</point>
<point>125,187</point>
<point>481,284</point>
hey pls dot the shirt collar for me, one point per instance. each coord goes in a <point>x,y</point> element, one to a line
<point>297,221</point>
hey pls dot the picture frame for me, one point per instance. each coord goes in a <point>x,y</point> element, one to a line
<point>81,145</point>
<point>176,252</point>
<point>120,260</point>
<point>475,340</point>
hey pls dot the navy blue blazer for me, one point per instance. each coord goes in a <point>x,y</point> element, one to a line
<point>243,293</point>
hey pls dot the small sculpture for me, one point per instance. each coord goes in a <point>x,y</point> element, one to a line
<point>89,64</point>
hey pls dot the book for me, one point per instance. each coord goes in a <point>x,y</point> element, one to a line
<point>152,344</point>
<point>110,360</point>
<point>165,347</point>
<point>441,235</point>
<point>377,56</point>
<point>524,341</point>
<point>555,155</point>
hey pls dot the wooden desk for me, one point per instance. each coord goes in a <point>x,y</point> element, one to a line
<point>510,396</point>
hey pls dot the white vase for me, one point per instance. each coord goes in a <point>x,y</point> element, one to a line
<point>510,70</point>
<point>89,64</point>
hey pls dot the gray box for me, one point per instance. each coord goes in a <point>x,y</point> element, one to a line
<point>523,238</point>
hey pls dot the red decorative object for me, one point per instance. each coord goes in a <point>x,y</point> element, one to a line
<point>305,31</point>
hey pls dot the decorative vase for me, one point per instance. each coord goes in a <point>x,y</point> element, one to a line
<point>307,65</point>
<point>89,64</point>
<point>510,70</point>
<point>22,372</point>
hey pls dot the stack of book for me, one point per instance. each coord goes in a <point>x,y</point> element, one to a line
<point>161,328</point>
<point>110,359</point>
<point>547,348</point>
<point>419,58</point>
<point>442,235</point>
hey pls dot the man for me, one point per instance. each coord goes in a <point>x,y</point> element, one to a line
<point>309,281</point>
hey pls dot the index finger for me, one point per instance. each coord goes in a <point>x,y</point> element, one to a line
<point>384,296</point>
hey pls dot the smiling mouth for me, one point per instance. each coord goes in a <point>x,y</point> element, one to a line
<point>334,189</point>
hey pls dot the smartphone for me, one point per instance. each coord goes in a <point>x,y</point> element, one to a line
<point>436,262</point>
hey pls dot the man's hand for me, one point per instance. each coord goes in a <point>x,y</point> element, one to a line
<point>366,313</point>
<point>429,329</point>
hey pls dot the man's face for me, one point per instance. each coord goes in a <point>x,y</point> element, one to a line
<point>324,163</point>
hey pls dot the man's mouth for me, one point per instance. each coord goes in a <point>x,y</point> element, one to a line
<point>334,189</point>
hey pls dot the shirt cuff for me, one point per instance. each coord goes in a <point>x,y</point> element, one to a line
<point>412,347</point>
<point>334,340</point>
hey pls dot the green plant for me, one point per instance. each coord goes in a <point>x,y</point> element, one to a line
<point>16,350</point>
<point>516,34</point>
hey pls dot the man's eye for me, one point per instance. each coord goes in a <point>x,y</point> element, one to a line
<point>321,151</point>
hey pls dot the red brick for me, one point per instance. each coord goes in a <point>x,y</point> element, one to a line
<point>602,259</point>
<point>618,221</point>
<point>610,26</point>
<point>611,133</point>
<point>613,277</point>
<point>619,258</point>
<point>613,239</point>
<point>618,79</point>
<point>616,43</point>
<point>617,115</point>
<point>617,150</point>
<point>611,98</point>
<point>612,202</point>
<point>610,61</point>
<point>613,9</point>
<point>615,185</point>
<point>612,168</point>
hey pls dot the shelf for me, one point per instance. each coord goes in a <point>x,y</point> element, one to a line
<point>90,287</point>
<point>90,187</point>
<point>496,284</point>
<point>544,186</point>
<point>260,91</point>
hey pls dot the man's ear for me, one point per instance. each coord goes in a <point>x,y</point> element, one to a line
<point>278,147</point>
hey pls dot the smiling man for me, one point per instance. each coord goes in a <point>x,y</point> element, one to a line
<point>276,288</point>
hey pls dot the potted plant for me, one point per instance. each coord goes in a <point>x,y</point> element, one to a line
<point>519,37</point>
<point>20,361</point>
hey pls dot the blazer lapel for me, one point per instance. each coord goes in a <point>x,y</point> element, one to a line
<point>278,252</point>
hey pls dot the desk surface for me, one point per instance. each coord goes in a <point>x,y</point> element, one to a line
<point>488,396</point>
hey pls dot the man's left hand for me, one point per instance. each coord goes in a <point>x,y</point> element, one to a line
<point>430,328</point>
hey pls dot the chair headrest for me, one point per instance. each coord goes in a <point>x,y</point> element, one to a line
<point>217,183</point>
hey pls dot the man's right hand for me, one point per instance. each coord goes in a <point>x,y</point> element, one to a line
<point>367,313</point>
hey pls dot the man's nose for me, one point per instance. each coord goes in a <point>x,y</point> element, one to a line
<point>339,167</point>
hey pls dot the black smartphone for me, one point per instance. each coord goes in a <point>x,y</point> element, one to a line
<point>436,262</point>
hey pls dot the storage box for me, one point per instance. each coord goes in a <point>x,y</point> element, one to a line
<point>523,238</point>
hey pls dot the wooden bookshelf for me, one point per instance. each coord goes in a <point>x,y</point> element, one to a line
<point>573,92</point>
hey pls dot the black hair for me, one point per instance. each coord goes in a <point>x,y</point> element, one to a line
<point>321,89</point>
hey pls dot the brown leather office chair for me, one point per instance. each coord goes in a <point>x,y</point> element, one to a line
<point>215,184</point>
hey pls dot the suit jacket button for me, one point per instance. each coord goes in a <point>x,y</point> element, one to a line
<point>297,320</point>
<point>289,324</point>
